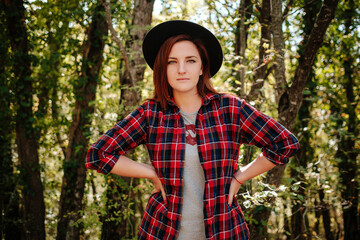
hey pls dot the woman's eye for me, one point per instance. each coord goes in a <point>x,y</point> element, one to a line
<point>191,61</point>
<point>171,62</point>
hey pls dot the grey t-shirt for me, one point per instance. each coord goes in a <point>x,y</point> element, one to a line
<point>192,216</point>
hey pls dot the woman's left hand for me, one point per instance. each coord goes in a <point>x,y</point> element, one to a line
<point>234,188</point>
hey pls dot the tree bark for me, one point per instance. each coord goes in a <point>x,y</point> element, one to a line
<point>10,228</point>
<point>141,20</point>
<point>325,213</point>
<point>240,32</point>
<point>26,139</point>
<point>291,97</point>
<point>113,229</point>
<point>69,225</point>
<point>279,46</point>
<point>261,69</point>
<point>242,42</point>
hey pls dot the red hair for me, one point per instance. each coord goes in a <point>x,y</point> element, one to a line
<point>163,90</point>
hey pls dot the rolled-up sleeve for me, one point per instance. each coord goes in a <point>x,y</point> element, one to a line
<point>125,135</point>
<point>277,143</point>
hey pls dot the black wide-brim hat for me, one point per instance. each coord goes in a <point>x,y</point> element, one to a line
<point>160,33</point>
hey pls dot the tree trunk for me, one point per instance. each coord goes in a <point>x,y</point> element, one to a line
<point>261,69</point>
<point>241,42</point>
<point>299,230</point>
<point>240,33</point>
<point>291,97</point>
<point>259,229</point>
<point>325,213</point>
<point>10,228</point>
<point>279,46</point>
<point>69,225</point>
<point>26,139</point>
<point>115,192</point>
<point>347,153</point>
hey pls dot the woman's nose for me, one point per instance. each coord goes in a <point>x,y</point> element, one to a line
<point>181,68</point>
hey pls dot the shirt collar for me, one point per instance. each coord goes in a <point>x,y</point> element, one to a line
<point>209,97</point>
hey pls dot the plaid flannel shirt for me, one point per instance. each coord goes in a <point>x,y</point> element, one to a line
<point>223,123</point>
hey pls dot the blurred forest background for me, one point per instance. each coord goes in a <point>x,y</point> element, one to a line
<point>70,69</point>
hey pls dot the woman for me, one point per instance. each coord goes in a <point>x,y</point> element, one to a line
<point>193,135</point>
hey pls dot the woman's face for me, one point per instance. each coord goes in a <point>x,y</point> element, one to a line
<point>184,67</point>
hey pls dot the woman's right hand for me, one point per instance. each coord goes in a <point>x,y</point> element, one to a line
<point>158,187</point>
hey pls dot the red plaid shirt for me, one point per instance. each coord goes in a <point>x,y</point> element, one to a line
<point>223,123</point>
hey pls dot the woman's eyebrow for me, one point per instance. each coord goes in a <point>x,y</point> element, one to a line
<point>185,57</point>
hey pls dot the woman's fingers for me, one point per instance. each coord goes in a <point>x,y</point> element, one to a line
<point>230,199</point>
<point>234,188</point>
<point>163,193</point>
<point>158,187</point>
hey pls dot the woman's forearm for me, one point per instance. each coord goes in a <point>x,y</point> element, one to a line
<point>128,168</point>
<point>260,165</point>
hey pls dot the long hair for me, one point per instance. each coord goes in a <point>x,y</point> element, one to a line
<point>163,91</point>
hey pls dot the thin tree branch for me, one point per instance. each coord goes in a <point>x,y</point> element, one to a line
<point>106,5</point>
<point>287,9</point>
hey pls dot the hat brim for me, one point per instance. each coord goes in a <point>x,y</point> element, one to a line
<point>160,33</point>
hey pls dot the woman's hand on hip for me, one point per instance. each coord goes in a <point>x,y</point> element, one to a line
<point>158,187</point>
<point>234,188</point>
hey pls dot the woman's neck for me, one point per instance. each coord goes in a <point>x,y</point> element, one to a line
<point>188,103</point>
